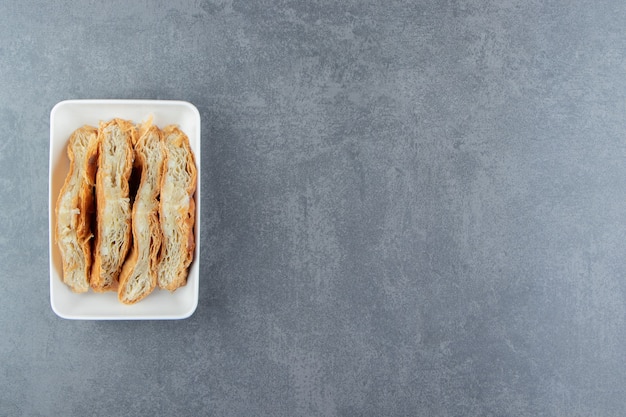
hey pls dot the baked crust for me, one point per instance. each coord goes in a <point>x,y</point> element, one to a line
<point>177,209</point>
<point>115,163</point>
<point>74,209</point>
<point>139,273</point>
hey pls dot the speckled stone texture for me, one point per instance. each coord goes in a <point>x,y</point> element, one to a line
<point>410,208</point>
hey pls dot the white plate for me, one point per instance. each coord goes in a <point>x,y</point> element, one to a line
<point>66,117</point>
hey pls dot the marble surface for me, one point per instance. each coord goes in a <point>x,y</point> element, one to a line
<point>409,208</point>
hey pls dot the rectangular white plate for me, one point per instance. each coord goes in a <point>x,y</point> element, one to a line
<point>68,116</point>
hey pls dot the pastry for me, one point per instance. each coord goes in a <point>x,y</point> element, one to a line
<point>177,209</point>
<point>74,209</point>
<point>113,215</point>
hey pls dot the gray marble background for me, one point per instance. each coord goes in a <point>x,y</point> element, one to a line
<point>409,208</point>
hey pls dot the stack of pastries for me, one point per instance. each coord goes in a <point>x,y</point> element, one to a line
<point>126,212</point>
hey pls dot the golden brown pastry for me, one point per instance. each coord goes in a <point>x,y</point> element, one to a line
<point>177,209</point>
<point>74,209</point>
<point>139,273</point>
<point>113,216</point>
